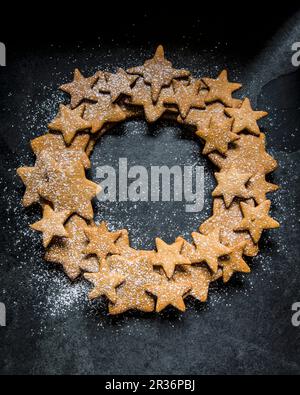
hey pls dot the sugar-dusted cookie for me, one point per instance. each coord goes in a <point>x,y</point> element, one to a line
<point>68,251</point>
<point>151,280</point>
<point>158,72</point>
<point>105,282</point>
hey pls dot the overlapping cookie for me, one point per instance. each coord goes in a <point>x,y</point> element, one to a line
<point>140,279</point>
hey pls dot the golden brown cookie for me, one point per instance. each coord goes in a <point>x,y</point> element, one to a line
<point>168,256</point>
<point>117,84</point>
<point>234,262</point>
<point>101,240</point>
<point>80,88</point>
<point>258,187</point>
<point>141,96</point>
<point>54,144</point>
<point>249,153</point>
<point>220,89</point>
<point>256,219</point>
<point>169,293</point>
<point>34,178</point>
<point>103,112</point>
<point>231,184</point>
<point>52,224</point>
<point>209,248</point>
<point>131,294</point>
<point>245,118</point>
<point>69,122</point>
<point>217,135</point>
<point>158,72</point>
<point>68,250</point>
<point>105,282</point>
<point>187,96</point>
<point>69,189</point>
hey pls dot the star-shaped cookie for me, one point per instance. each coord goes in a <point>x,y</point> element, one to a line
<point>80,88</point>
<point>158,72</point>
<point>68,250</point>
<point>245,118</point>
<point>250,153</point>
<point>34,178</point>
<point>234,262</point>
<point>187,96</point>
<point>105,282</point>
<point>52,224</point>
<point>141,96</point>
<point>69,122</point>
<point>131,294</point>
<point>168,256</point>
<point>258,187</point>
<point>169,293</point>
<point>101,240</point>
<point>209,248</point>
<point>117,84</point>
<point>103,112</point>
<point>217,136</point>
<point>199,277</point>
<point>69,189</point>
<point>231,184</point>
<point>227,219</point>
<point>220,89</point>
<point>54,144</point>
<point>256,219</point>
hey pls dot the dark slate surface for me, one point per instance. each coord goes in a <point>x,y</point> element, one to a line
<point>246,326</point>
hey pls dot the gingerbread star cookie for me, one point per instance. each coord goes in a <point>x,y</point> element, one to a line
<point>231,183</point>
<point>69,189</point>
<point>105,282</point>
<point>168,256</point>
<point>250,154</point>
<point>234,262</point>
<point>54,144</point>
<point>141,96</point>
<point>117,84</point>
<point>131,294</point>
<point>69,122</point>
<point>209,248</point>
<point>52,224</point>
<point>34,178</point>
<point>220,89</point>
<point>103,112</point>
<point>187,96</point>
<point>158,72</point>
<point>217,136</point>
<point>227,219</point>
<point>256,219</point>
<point>245,118</point>
<point>258,187</point>
<point>101,240</point>
<point>68,250</point>
<point>169,293</point>
<point>202,118</point>
<point>80,89</point>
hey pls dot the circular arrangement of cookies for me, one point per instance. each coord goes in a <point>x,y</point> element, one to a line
<point>142,279</point>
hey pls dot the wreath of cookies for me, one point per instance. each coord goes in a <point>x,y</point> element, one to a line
<point>141,279</point>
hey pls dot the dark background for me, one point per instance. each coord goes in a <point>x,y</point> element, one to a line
<point>246,325</point>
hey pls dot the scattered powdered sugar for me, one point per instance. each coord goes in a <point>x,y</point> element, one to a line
<point>53,295</point>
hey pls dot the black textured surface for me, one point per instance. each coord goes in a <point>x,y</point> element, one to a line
<point>246,326</point>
